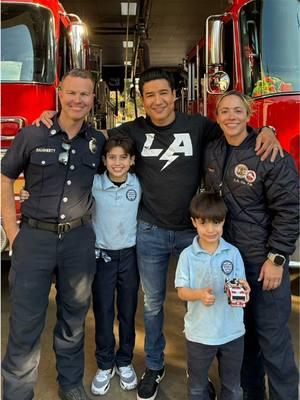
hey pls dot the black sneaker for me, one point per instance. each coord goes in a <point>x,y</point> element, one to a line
<point>77,393</point>
<point>148,385</point>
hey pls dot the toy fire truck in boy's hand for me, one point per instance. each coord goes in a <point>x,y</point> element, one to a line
<point>236,293</point>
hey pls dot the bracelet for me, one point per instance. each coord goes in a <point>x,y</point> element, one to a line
<point>268,126</point>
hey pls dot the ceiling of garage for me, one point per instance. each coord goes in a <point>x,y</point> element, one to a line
<point>166,29</point>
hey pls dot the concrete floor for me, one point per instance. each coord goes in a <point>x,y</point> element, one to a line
<point>173,386</point>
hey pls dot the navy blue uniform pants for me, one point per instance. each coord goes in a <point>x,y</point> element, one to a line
<point>36,255</point>
<point>117,274</point>
<point>268,345</point>
<point>199,359</point>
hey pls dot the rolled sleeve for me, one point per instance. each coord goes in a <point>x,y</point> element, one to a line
<point>14,161</point>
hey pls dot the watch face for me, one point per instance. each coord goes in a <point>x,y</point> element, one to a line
<point>279,260</point>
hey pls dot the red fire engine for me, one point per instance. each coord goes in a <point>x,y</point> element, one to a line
<point>254,47</point>
<point>39,43</point>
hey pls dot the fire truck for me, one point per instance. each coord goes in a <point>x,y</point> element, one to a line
<point>237,295</point>
<point>254,47</point>
<point>39,43</point>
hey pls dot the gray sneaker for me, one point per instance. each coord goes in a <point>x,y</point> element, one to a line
<point>78,393</point>
<point>128,378</point>
<point>101,382</point>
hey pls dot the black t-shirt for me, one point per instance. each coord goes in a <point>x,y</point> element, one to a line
<point>168,164</point>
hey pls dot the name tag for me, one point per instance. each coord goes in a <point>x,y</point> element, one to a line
<point>44,150</point>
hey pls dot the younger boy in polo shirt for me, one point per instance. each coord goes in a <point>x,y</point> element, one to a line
<point>212,326</point>
<point>117,194</point>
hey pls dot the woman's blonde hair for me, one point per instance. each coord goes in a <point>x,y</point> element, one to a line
<point>247,101</point>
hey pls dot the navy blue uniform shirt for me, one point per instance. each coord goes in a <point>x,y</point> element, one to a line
<point>58,192</point>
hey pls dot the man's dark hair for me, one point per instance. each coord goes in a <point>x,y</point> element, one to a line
<point>119,140</point>
<point>208,206</point>
<point>155,73</point>
<point>79,73</point>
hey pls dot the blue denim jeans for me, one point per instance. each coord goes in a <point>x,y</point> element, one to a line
<point>154,247</point>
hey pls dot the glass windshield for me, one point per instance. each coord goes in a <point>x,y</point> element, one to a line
<point>270,43</point>
<point>27,43</point>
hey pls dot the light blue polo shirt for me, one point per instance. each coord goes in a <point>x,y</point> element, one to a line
<point>219,323</point>
<point>115,215</point>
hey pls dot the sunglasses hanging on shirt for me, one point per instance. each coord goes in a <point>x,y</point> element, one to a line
<point>63,157</point>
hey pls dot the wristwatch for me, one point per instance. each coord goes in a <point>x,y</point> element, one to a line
<point>270,127</point>
<point>277,259</point>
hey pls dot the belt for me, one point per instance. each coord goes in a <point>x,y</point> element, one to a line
<point>58,228</point>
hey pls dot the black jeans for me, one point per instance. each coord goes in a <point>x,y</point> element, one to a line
<point>36,255</point>
<point>199,359</point>
<point>117,273</point>
<point>268,345</point>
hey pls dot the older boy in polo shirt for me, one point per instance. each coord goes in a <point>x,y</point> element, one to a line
<point>117,194</point>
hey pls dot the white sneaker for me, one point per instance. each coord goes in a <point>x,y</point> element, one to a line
<point>101,382</point>
<point>128,378</point>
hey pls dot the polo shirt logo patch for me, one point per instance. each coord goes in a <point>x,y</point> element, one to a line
<point>44,150</point>
<point>227,267</point>
<point>131,194</point>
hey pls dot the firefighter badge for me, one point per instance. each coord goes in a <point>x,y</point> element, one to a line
<point>241,170</point>
<point>93,145</point>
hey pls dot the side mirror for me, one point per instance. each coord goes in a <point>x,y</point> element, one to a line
<point>214,41</point>
<point>218,82</point>
<point>78,44</point>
